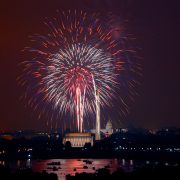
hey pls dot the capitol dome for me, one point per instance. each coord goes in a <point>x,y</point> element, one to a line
<point>109,125</point>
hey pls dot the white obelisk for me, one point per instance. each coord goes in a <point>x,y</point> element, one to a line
<point>97,135</point>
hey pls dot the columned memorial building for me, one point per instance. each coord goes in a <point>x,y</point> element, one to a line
<point>78,139</point>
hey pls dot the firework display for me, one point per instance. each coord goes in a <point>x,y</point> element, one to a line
<point>78,57</point>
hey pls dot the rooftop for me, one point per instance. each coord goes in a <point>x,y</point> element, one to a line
<point>78,135</point>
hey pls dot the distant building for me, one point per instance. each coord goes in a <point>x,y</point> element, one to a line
<point>78,139</point>
<point>107,131</point>
<point>122,130</point>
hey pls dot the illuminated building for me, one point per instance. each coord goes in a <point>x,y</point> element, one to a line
<point>107,131</point>
<point>78,139</point>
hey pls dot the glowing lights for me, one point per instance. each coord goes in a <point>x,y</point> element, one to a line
<point>78,57</point>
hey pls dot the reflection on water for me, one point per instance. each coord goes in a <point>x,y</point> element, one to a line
<point>72,166</point>
<point>28,163</point>
<point>62,167</point>
<point>2,163</point>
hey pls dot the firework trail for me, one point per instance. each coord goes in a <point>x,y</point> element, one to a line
<point>78,56</point>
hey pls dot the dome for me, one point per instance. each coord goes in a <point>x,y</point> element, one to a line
<point>108,125</point>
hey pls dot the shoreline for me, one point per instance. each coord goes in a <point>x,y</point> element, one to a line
<point>153,156</point>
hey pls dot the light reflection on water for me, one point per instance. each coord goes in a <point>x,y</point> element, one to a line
<point>2,163</point>
<point>70,166</point>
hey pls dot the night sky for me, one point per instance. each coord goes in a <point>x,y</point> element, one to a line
<point>155,24</point>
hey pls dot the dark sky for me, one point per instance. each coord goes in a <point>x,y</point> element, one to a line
<point>156,25</point>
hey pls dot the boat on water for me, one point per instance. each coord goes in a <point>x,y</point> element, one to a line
<point>107,166</point>
<point>55,168</point>
<point>54,163</point>
<point>87,161</point>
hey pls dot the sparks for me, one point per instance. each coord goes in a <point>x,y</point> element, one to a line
<point>77,59</point>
